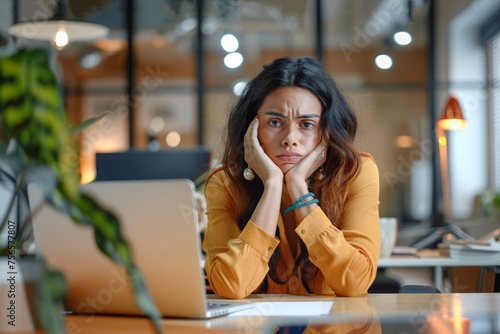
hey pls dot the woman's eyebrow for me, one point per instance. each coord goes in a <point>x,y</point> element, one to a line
<point>308,116</point>
<point>275,113</point>
<point>282,115</point>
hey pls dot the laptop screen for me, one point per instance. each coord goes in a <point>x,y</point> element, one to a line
<point>149,165</point>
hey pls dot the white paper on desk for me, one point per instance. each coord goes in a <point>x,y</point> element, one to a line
<point>293,309</point>
<point>493,247</point>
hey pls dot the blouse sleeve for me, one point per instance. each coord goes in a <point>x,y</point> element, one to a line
<point>236,261</point>
<point>348,257</point>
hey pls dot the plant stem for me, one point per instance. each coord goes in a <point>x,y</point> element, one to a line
<point>24,223</point>
<point>19,182</point>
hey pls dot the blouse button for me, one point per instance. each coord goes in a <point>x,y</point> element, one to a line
<point>270,249</point>
<point>303,232</point>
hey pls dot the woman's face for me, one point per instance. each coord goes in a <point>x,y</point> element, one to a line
<point>289,125</point>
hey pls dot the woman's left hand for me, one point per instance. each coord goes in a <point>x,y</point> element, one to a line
<point>308,165</point>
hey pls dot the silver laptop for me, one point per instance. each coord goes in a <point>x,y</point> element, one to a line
<point>159,220</point>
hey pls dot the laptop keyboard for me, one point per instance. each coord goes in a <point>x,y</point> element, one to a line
<point>212,306</point>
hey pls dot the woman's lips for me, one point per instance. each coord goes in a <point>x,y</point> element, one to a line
<point>289,157</point>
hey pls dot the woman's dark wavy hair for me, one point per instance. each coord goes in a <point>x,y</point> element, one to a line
<point>338,127</point>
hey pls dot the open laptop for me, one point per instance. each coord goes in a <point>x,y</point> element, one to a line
<point>159,220</point>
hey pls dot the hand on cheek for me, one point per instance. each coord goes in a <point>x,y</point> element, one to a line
<point>309,164</point>
<point>255,156</point>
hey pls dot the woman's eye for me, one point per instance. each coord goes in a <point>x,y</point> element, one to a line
<point>274,122</point>
<point>308,125</point>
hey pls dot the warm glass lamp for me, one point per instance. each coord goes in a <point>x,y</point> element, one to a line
<point>451,119</point>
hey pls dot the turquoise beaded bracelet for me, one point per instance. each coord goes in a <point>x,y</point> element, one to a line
<point>299,204</point>
<point>303,197</point>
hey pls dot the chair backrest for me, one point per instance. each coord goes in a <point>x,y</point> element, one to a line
<point>414,288</point>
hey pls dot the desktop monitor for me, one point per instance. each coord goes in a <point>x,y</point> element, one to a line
<point>148,165</point>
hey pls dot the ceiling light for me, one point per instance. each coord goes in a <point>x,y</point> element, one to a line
<point>402,37</point>
<point>239,87</point>
<point>173,139</point>
<point>157,124</point>
<point>60,38</point>
<point>404,139</point>
<point>91,59</point>
<point>209,27</point>
<point>383,61</point>
<point>185,26</point>
<point>233,60</point>
<point>58,30</point>
<point>229,43</point>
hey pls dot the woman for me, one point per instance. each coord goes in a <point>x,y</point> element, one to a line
<point>294,207</point>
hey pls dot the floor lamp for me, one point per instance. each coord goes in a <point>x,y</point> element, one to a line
<point>451,119</point>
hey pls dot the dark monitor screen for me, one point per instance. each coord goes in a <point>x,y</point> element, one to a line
<point>147,165</point>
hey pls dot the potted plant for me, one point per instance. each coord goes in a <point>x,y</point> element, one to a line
<point>490,202</point>
<point>37,144</point>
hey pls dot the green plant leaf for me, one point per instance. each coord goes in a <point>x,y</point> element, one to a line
<point>32,113</point>
<point>41,174</point>
<point>496,201</point>
<point>200,181</point>
<point>85,124</point>
<point>50,295</point>
<point>13,157</point>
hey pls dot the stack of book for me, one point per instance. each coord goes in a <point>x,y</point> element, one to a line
<point>463,249</point>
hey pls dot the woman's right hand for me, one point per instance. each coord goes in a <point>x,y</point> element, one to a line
<point>256,158</point>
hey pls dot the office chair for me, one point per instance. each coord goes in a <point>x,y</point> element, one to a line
<point>415,288</point>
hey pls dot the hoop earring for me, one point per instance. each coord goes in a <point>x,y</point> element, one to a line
<point>319,174</point>
<point>248,174</point>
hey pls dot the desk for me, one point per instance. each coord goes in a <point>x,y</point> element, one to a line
<point>375,313</point>
<point>438,263</point>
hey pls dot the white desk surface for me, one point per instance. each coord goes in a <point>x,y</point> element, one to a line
<point>417,313</point>
<point>413,261</point>
<point>438,263</point>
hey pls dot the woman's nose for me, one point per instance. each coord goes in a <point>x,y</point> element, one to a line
<point>291,137</point>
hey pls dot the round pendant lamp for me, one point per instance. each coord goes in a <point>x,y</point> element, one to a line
<point>58,30</point>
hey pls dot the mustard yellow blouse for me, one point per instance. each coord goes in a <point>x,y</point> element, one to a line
<point>237,261</point>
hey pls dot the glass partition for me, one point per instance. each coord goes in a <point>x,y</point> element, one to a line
<point>393,104</point>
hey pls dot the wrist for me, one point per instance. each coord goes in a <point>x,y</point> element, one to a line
<point>296,188</point>
<point>291,178</point>
<point>274,182</point>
